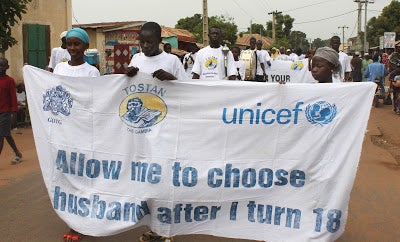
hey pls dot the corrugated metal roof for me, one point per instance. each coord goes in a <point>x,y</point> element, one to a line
<point>245,40</point>
<point>110,25</point>
<point>167,32</point>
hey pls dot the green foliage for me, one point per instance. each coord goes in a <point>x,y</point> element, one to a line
<point>11,12</point>
<point>256,29</point>
<point>320,43</point>
<point>194,24</point>
<point>388,21</point>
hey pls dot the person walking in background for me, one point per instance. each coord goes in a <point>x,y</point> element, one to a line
<point>394,78</point>
<point>376,72</point>
<point>21,100</point>
<point>209,63</point>
<point>356,63</point>
<point>240,65</point>
<point>168,48</point>
<point>365,62</point>
<point>344,59</point>
<point>8,107</point>
<point>59,54</point>
<point>263,60</point>
<point>188,59</point>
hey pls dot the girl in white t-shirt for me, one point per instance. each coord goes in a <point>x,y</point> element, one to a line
<point>240,65</point>
<point>77,43</point>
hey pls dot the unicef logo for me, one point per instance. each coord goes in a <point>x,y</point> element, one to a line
<point>58,101</point>
<point>320,113</point>
<point>297,66</point>
<point>142,110</point>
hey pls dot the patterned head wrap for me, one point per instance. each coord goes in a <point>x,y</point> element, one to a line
<point>78,33</point>
<point>331,56</point>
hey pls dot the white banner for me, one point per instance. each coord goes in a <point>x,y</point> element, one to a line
<point>235,159</point>
<point>289,71</point>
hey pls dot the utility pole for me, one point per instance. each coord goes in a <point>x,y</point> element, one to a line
<point>365,25</point>
<point>205,23</point>
<point>343,41</point>
<point>358,43</point>
<point>273,23</point>
<point>360,2</point>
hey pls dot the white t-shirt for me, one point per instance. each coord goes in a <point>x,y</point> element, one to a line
<point>209,64</point>
<point>189,59</point>
<point>263,55</point>
<point>167,62</point>
<point>58,55</point>
<point>260,59</point>
<point>240,69</point>
<point>84,70</point>
<point>346,67</point>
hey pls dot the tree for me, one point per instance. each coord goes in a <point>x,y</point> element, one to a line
<point>256,29</point>
<point>320,43</point>
<point>388,21</point>
<point>194,25</point>
<point>11,12</point>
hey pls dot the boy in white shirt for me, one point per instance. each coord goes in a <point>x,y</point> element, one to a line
<point>152,60</point>
<point>209,63</point>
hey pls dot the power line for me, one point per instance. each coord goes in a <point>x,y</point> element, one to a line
<point>313,21</point>
<point>306,6</point>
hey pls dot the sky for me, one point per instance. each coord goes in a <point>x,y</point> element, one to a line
<point>316,18</point>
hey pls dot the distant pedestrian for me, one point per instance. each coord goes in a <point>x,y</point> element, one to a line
<point>188,59</point>
<point>8,107</point>
<point>344,59</point>
<point>240,65</point>
<point>59,54</point>
<point>356,64</point>
<point>168,48</point>
<point>394,78</point>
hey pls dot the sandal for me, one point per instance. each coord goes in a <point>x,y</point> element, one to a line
<point>17,159</point>
<point>150,236</point>
<point>73,236</point>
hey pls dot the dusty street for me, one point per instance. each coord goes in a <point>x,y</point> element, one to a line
<point>27,214</point>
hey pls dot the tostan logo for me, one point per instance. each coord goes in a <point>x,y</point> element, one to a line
<point>320,113</point>
<point>142,110</point>
<point>211,63</point>
<point>58,101</point>
<point>297,66</point>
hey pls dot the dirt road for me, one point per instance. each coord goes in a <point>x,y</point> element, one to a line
<point>27,214</point>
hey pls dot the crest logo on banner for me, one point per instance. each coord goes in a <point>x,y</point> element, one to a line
<point>297,66</point>
<point>320,113</point>
<point>142,110</point>
<point>58,101</point>
<point>211,63</point>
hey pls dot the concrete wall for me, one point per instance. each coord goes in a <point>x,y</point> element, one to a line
<point>55,13</point>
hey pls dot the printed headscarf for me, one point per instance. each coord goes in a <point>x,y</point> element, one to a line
<point>331,56</point>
